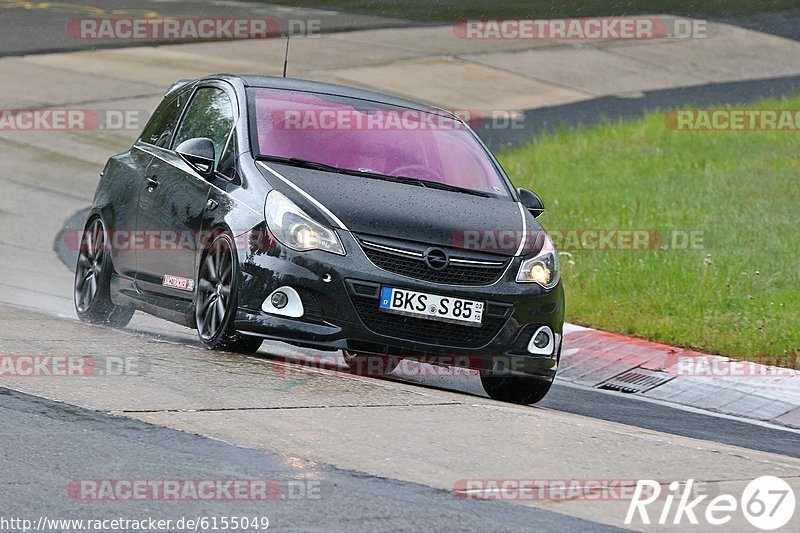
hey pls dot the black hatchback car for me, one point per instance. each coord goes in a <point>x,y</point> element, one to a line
<point>323,216</point>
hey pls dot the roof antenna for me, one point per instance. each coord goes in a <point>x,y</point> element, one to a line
<point>286,57</point>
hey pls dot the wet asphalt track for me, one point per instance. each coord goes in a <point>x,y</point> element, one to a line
<point>35,450</point>
<point>385,452</point>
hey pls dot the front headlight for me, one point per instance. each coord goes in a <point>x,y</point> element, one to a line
<point>295,229</point>
<point>542,269</point>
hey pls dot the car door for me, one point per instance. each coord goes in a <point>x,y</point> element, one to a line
<point>129,176</point>
<point>172,207</point>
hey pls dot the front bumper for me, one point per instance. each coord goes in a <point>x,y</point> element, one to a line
<point>341,297</point>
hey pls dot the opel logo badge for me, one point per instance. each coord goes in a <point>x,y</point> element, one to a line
<point>436,259</point>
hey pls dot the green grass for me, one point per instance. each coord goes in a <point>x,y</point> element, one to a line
<point>450,10</point>
<point>740,295</point>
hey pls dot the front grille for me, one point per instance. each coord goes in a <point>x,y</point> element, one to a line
<point>424,330</point>
<point>405,264</point>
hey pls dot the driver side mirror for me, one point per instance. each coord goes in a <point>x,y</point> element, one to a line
<point>199,154</point>
<point>531,201</point>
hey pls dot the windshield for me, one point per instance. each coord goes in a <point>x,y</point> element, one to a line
<point>366,136</point>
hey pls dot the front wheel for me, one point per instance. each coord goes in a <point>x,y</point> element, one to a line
<point>92,290</point>
<point>515,389</point>
<point>217,302</point>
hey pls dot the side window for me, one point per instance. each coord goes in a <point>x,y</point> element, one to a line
<point>210,114</point>
<point>159,130</point>
<point>227,162</point>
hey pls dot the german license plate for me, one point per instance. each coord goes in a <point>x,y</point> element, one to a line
<point>431,306</point>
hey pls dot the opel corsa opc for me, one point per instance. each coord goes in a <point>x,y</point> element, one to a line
<point>255,208</point>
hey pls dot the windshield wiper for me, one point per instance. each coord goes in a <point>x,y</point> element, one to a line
<point>304,163</point>
<point>454,188</point>
<point>428,184</point>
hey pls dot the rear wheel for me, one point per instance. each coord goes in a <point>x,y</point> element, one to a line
<point>370,364</point>
<point>515,389</point>
<point>217,302</point>
<point>92,292</point>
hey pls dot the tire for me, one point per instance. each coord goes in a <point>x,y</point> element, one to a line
<point>515,389</point>
<point>217,300</point>
<point>372,365</point>
<point>92,287</point>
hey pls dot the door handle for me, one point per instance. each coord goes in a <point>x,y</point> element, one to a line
<point>211,204</point>
<point>152,183</point>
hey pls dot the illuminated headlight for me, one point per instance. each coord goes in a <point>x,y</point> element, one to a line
<point>542,269</point>
<point>295,229</point>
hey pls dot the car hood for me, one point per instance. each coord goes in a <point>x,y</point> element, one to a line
<point>369,206</point>
<point>401,211</point>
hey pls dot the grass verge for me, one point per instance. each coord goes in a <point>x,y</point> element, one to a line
<point>739,293</point>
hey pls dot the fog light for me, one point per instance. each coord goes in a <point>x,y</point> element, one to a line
<point>279,300</point>
<point>284,301</point>
<point>542,342</point>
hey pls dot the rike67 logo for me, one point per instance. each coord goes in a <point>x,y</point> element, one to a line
<point>768,503</point>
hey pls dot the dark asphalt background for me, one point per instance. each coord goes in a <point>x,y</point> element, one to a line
<point>621,408</point>
<point>612,108</point>
<point>41,27</point>
<point>45,445</point>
